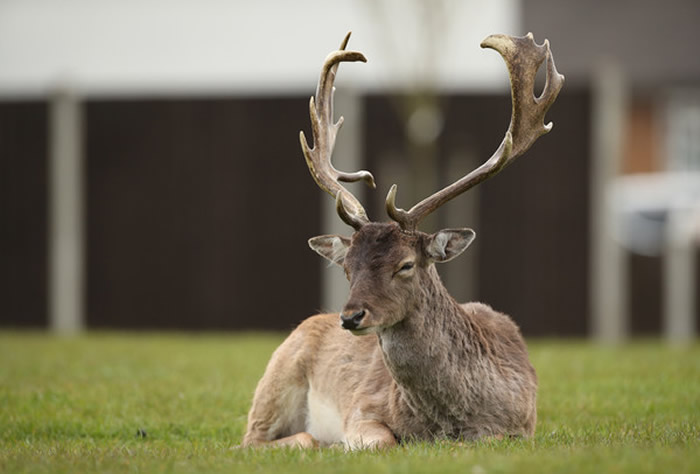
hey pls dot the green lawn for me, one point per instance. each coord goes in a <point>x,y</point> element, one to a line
<point>78,404</point>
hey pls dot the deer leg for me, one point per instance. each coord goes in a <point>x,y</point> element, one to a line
<point>370,434</point>
<point>302,440</point>
<point>279,409</point>
<point>529,428</point>
<point>276,416</point>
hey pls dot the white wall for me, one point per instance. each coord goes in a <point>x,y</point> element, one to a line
<point>238,46</point>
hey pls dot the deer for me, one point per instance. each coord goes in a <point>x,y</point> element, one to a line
<point>403,360</point>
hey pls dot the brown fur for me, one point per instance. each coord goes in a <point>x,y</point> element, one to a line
<point>428,368</point>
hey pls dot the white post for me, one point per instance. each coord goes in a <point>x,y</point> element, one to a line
<point>346,157</point>
<point>679,276</point>
<point>65,214</point>
<point>608,263</point>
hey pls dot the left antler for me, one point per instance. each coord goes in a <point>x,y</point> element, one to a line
<point>324,132</point>
<point>523,58</point>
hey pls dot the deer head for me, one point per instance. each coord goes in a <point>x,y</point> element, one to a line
<point>390,266</point>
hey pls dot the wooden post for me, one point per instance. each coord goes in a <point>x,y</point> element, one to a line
<point>66,246</point>
<point>608,265</point>
<point>679,276</point>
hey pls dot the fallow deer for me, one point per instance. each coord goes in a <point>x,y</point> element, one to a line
<point>424,366</point>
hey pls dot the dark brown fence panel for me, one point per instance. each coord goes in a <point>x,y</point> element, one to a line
<point>198,214</point>
<point>23,212</point>
<point>533,225</point>
<point>645,298</point>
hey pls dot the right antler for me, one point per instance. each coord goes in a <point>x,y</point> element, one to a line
<point>324,132</point>
<point>523,58</point>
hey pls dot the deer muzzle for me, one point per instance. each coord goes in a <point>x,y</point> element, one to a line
<point>352,319</point>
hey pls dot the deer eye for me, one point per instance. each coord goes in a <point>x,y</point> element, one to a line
<point>405,267</point>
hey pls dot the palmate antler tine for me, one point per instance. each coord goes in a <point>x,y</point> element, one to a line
<point>324,133</point>
<point>523,58</point>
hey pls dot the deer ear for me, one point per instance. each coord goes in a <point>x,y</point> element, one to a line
<point>447,244</point>
<point>331,247</point>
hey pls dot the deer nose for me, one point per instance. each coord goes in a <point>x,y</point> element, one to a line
<point>352,321</point>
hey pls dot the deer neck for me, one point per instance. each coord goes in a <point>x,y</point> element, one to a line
<point>429,329</point>
<point>429,352</point>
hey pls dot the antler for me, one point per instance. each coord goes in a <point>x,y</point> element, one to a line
<point>324,133</point>
<point>523,58</point>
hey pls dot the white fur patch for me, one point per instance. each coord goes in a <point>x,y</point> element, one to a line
<point>324,421</point>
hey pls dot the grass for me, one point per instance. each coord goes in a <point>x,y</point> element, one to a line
<point>110,402</point>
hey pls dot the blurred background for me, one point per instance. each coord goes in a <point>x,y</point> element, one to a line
<point>151,175</point>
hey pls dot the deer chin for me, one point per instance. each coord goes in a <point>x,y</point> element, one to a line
<point>364,331</point>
